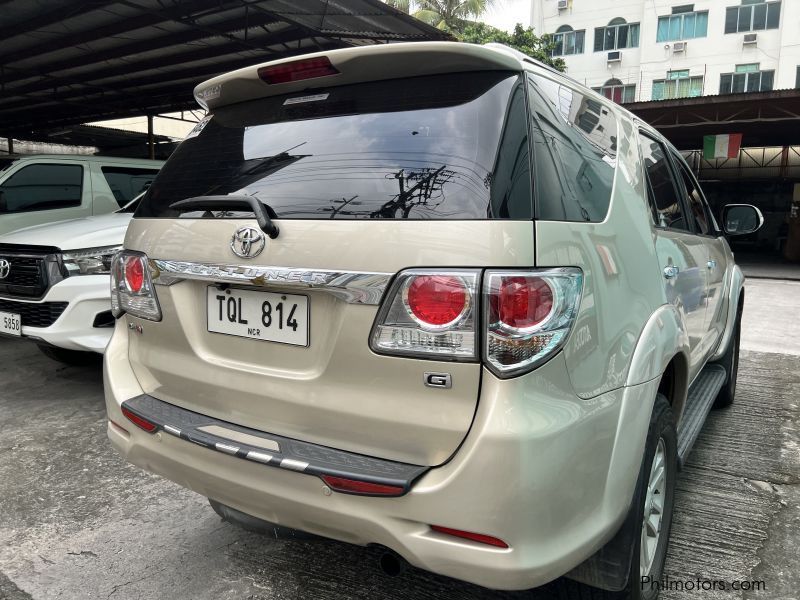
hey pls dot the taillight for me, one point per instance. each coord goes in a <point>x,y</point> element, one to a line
<point>297,70</point>
<point>132,288</point>
<point>434,314</point>
<point>528,316</point>
<point>436,301</point>
<point>523,302</point>
<point>134,273</point>
<point>429,313</point>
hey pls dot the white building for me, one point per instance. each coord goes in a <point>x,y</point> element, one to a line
<point>638,50</point>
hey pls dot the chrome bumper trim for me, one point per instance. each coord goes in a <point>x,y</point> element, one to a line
<point>354,287</point>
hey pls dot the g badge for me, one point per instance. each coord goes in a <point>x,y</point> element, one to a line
<point>438,380</point>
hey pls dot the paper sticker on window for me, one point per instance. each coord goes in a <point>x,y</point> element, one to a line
<point>301,99</point>
<point>198,128</point>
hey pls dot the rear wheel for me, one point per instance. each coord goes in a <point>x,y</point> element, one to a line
<point>730,361</point>
<point>650,516</point>
<point>70,357</point>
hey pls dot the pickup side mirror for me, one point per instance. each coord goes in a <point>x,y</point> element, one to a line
<point>741,219</point>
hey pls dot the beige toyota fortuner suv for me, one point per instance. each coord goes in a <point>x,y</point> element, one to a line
<point>432,297</point>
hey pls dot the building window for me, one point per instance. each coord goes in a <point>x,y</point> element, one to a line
<point>678,84</point>
<point>568,41</point>
<point>682,25</point>
<point>752,15</point>
<point>615,90</point>
<point>616,35</point>
<point>747,78</point>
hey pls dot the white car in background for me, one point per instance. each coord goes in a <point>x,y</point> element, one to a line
<point>54,284</point>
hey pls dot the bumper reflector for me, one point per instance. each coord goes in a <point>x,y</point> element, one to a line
<point>474,537</point>
<point>139,421</point>
<point>362,488</point>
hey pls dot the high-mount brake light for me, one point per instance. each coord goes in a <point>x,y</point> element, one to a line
<point>298,70</point>
<point>363,488</point>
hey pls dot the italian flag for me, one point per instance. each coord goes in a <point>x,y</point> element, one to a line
<point>722,146</point>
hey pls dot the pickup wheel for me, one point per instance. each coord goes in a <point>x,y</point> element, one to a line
<point>730,360</point>
<point>650,517</point>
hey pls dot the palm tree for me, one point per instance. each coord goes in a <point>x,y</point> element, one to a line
<point>449,15</point>
<point>401,5</point>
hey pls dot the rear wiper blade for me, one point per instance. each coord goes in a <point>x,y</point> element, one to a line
<point>263,212</point>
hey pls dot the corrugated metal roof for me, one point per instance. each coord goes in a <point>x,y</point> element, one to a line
<point>64,62</point>
<point>764,118</point>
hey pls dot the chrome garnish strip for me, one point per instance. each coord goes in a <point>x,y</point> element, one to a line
<point>354,287</point>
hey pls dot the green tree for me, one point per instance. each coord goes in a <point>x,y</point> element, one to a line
<point>522,39</point>
<point>401,5</point>
<point>449,15</point>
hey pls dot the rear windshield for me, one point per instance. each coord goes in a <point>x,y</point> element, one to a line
<point>448,146</point>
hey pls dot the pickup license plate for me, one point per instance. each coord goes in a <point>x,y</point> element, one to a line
<point>10,324</point>
<point>266,316</point>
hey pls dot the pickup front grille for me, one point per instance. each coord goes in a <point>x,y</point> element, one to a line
<point>23,271</point>
<point>28,271</point>
<point>35,314</point>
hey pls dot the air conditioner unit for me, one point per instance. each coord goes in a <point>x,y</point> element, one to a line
<point>750,38</point>
<point>563,4</point>
<point>615,56</point>
<point>679,47</point>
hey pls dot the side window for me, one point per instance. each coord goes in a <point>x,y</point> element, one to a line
<point>663,189</point>
<point>42,187</point>
<point>127,183</point>
<point>694,197</point>
<point>574,151</point>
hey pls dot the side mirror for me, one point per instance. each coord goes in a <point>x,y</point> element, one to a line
<point>741,219</point>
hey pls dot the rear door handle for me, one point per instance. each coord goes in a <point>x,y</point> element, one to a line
<point>712,264</point>
<point>671,271</point>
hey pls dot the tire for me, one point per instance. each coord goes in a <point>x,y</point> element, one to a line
<point>730,361</point>
<point>73,358</point>
<point>256,525</point>
<point>662,442</point>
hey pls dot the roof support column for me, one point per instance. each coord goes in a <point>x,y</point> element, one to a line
<point>151,146</point>
<point>10,145</point>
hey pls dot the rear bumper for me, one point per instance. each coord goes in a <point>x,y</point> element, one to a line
<point>86,297</point>
<point>545,471</point>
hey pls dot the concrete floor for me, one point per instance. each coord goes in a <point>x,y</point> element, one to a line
<point>78,522</point>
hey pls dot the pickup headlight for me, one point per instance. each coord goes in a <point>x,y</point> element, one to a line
<point>92,261</point>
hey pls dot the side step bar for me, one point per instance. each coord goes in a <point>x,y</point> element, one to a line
<point>700,399</point>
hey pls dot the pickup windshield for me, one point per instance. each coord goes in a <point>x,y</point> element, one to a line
<point>452,146</point>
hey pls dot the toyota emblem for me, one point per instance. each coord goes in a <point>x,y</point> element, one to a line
<point>248,242</point>
<point>5,268</point>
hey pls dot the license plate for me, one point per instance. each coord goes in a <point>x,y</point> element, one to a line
<point>10,324</point>
<point>266,316</point>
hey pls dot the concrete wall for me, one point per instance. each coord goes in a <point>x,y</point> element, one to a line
<point>711,56</point>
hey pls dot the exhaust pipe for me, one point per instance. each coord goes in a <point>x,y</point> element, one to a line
<point>392,564</point>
